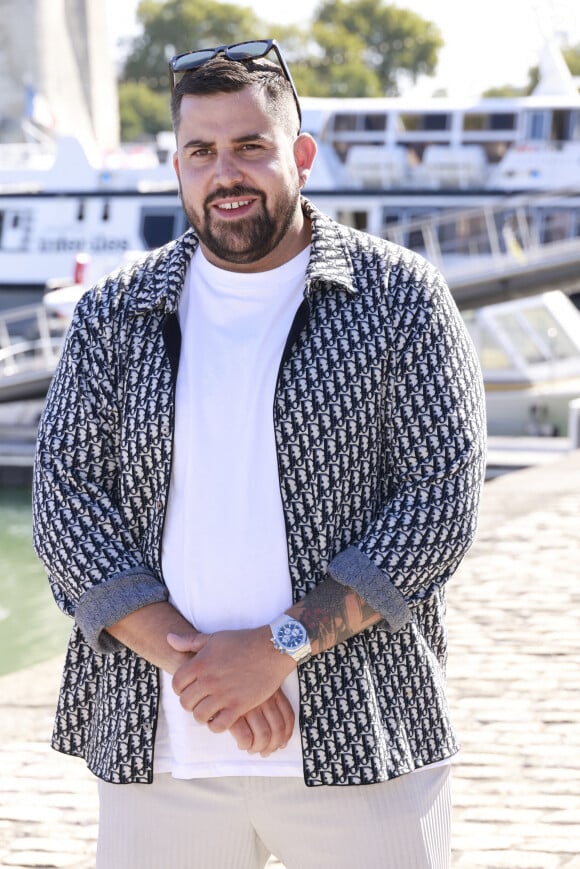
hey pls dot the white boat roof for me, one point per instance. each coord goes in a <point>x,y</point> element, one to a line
<point>327,105</point>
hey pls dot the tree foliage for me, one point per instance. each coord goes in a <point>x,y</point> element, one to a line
<point>174,26</point>
<point>506,90</point>
<point>143,112</point>
<point>572,58</point>
<point>392,42</point>
<point>352,47</point>
<point>333,66</point>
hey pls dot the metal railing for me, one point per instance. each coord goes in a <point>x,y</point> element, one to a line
<point>519,230</point>
<point>30,345</point>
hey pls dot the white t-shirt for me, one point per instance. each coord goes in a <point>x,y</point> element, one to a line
<point>224,556</point>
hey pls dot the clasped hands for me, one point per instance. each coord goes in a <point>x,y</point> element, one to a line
<point>232,682</point>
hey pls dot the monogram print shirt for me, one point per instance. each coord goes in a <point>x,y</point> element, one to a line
<point>379,427</point>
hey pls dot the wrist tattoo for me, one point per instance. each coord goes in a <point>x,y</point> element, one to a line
<point>332,613</point>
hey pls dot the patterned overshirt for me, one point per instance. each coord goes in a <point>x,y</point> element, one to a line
<point>379,427</point>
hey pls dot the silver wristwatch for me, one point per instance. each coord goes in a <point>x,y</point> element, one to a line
<point>290,636</point>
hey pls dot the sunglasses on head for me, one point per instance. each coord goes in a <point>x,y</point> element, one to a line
<point>240,51</point>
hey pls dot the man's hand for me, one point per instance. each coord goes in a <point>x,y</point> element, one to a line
<point>267,728</point>
<point>231,674</point>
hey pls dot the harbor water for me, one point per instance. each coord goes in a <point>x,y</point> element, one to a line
<point>32,629</point>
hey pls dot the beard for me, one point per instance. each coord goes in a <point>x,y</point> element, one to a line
<point>248,239</point>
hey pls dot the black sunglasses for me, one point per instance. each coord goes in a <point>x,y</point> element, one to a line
<point>241,51</point>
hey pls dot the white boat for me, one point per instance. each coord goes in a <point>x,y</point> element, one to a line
<point>488,189</point>
<point>529,349</point>
<point>382,163</point>
<point>56,206</point>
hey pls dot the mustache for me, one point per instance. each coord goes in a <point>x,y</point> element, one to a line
<point>233,192</point>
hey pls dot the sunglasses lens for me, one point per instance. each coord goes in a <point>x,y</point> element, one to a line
<point>248,49</point>
<point>191,60</point>
<point>241,51</point>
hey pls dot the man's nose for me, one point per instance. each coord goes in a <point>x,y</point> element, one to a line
<point>227,167</point>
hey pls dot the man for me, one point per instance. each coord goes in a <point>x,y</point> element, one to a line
<point>259,463</point>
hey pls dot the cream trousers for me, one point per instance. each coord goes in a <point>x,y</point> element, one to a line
<point>237,823</point>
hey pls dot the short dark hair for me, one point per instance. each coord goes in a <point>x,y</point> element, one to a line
<point>221,75</point>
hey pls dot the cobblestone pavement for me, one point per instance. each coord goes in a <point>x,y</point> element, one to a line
<point>514,676</point>
<point>514,682</point>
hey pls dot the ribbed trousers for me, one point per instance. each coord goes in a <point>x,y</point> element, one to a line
<point>237,823</point>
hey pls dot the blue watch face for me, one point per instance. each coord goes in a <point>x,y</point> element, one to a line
<point>291,635</point>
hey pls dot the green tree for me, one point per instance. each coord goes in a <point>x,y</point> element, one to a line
<point>333,65</point>
<point>361,48</point>
<point>506,90</point>
<point>173,26</point>
<point>572,58</point>
<point>143,112</point>
<point>394,43</point>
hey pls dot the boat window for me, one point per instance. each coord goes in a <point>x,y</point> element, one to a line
<point>525,343</point>
<point>408,123</point>
<point>575,125</point>
<point>356,219</point>
<point>492,356</point>
<point>436,121</point>
<point>159,225</point>
<point>472,121</point>
<point>432,121</point>
<point>502,121</point>
<point>375,121</point>
<point>563,123</point>
<point>492,121</point>
<point>555,225</point>
<point>538,125</point>
<point>343,122</point>
<point>15,227</point>
<point>550,330</point>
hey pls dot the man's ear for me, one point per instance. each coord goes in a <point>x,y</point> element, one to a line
<point>304,154</point>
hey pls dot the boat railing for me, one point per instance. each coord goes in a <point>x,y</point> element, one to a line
<point>30,341</point>
<point>520,229</point>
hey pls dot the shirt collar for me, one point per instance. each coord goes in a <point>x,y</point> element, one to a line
<point>330,265</point>
<point>162,276</point>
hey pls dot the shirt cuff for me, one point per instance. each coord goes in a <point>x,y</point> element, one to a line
<point>353,568</point>
<point>106,604</point>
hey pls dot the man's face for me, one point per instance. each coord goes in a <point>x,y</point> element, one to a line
<point>240,172</point>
